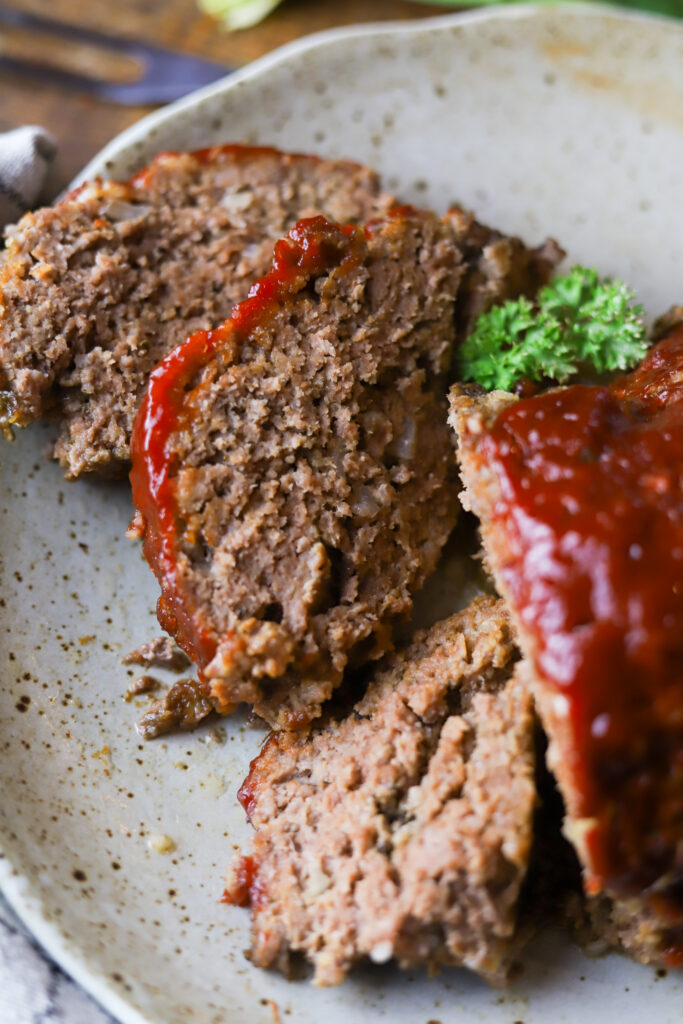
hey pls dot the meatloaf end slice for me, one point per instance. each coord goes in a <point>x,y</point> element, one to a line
<point>402,830</point>
<point>497,267</point>
<point>97,289</point>
<point>294,469</point>
<point>594,593</point>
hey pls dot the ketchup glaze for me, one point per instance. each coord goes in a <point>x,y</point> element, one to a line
<point>591,506</point>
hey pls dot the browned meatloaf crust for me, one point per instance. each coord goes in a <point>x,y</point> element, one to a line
<point>294,468</point>
<point>402,830</point>
<point>643,926</point>
<point>97,289</point>
<point>498,267</point>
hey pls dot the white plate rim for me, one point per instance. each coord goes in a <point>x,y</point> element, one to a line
<point>318,40</point>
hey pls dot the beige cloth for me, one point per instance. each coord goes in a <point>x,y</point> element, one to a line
<point>27,156</point>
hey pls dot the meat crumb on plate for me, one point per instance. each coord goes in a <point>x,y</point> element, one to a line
<point>143,684</point>
<point>160,652</point>
<point>182,708</point>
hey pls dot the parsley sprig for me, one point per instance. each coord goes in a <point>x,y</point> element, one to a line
<point>578,320</point>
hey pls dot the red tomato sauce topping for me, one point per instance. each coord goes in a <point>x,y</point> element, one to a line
<point>243,889</point>
<point>592,508</point>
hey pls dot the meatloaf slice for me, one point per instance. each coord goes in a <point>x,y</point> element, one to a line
<point>402,830</point>
<point>97,289</point>
<point>294,470</point>
<point>580,496</point>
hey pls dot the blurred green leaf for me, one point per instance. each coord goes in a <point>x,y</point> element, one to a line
<point>237,14</point>
<point>674,8</point>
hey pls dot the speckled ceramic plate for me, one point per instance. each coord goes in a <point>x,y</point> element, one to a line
<point>561,121</point>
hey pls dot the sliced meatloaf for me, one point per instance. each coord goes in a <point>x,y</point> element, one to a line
<point>403,829</point>
<point>497,267</point>
<point>97,289</point>
<point>294,471</point>
<point>580,496</point>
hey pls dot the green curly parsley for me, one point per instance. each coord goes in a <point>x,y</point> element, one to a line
<point>578,320</point>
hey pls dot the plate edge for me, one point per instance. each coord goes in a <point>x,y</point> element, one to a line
<point>318,40</point>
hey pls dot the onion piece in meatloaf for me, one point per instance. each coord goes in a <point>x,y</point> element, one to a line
<point>294,471</point>
<point>402,830</point>
<point>580,496</point>
<point>97,289</point>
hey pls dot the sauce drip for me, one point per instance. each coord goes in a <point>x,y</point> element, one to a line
<point>243,890</point>
<point>591,482</point>
<point>246,887</point>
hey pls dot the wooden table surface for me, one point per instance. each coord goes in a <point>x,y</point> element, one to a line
<point>82,124</point>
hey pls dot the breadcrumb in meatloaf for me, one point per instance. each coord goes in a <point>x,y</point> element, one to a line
<point>294,470</point>
<point>97,289</point>
<point>402,830</point>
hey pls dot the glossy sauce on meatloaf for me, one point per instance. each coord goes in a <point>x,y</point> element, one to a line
<point>591,503</point>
